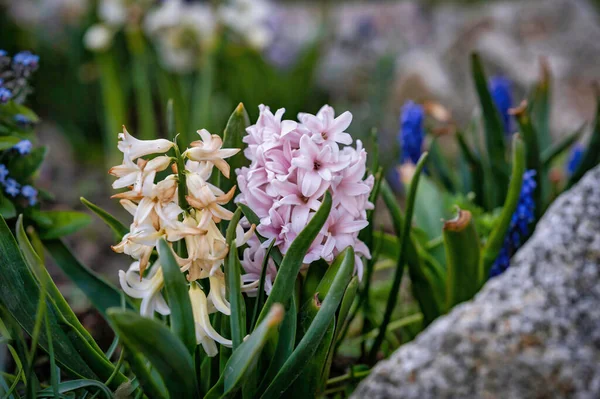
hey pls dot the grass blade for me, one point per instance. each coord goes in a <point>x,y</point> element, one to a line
<point>116,226</point>
<point>404,243</point>
<point>234,284</point>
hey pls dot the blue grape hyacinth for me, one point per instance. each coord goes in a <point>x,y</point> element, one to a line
<point>519,224</point>
<point>412,132</point>
<point>574,159</point>
<point>501,92</point>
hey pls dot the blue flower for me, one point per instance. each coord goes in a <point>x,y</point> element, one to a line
<point>575,159</point>
<point>30,193</point>
<point>519,224</point>
<point>5,95</point>
<point>21,120</point>
<point>412,132</point>
<point>500,89</point>
<point>25,59</point>
<point>3,173</point>
<point>11,187</point>
<point>23,147</point>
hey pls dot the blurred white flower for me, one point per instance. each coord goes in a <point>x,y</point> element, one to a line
<point>181,31</point>
<point>249,19</point>
<point>113,12</point>
<point>98,37</point>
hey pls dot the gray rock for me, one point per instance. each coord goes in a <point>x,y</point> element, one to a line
<point>533,332</point>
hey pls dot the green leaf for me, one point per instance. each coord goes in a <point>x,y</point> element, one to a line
<point>182,318</point>
<point>7,142</point>
<point>494,132</point>
<point>69,386</point>
<point>20,293</point>
<point>462,259</point>
<point>549,155</point>
<point>283,287</point>
<point>532,160</point>
<point>540,107</point>
<point>22,168</point>
<point>496,238</point>
<point>309,344</point>
<point>102,294</point>
<point>165,352</point>
<point>244,358</point>
<point>404,246</point>
<point>116,226</point>
<point>39,271</point>
<point>591,157</point>
<point>153,388</point>
<point>232,138</point>
<point>7,208</point>
<point>260,296</point>
<point>56,224</point>
<point>476,169</point>
<point>234,284</point>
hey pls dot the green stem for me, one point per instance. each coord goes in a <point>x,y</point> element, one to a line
<point>203,88</point>
<point>404,235</point>
<point>113,104</point>
<point>348,376</point>
<point>141,80</point>
<point>181,183</point>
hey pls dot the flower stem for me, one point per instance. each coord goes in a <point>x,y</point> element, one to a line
<point>181,184</point>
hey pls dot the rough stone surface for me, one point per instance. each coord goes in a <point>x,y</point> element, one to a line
<point>533,332</point>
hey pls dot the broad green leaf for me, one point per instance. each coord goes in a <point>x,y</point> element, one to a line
<point>20,292</point>
<point>232,138</point>
<point>102,294</point>
<point>404,249</point>
<point>314,275</point>
<point>494,132</point>
<point>7,208</point>
<point>7,142</point>
<point>244,358</point>
<point>69,386</point>
<point>165,352</point>
<point>591,157</point>
<point>22,168</point>
<point>56,224</point>
<point>285,344</point>
<point>462,259</point>
<point>309,344</point>
<point>234,284</point>
<point>496,238</point>
<point>39,270</point>
<point>116,226</point>
<point>182,318</point>
<point>283,287</point>
<point>153,388</point>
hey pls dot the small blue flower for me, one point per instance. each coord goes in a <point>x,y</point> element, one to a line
<point>26,59</point>
<point>412,132</point>
<point>3,173</point>
<point>519,224</point>
<point>5,95</point>
<point>575,159</point>
<point>21,120</point>
<point>23,147</point>
<point>501,91</point>
<point>3,53</point>
<point>30,193</point>
<point>11,187</point>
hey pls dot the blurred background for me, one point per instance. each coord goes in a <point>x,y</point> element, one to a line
<point>111,62</point>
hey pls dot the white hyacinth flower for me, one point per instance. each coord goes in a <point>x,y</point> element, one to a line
<point>148,288</point>
<point>205,333</point>
<point>209,149</point>
<point>98,37</point>
<point>135,148</point>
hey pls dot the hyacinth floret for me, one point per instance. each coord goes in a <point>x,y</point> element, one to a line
<point>519,224</point>
<point>412,132</point>
<point>293,164</point>
<point>501,92</point>
<point>575,159</point>
<point>157,213</point>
